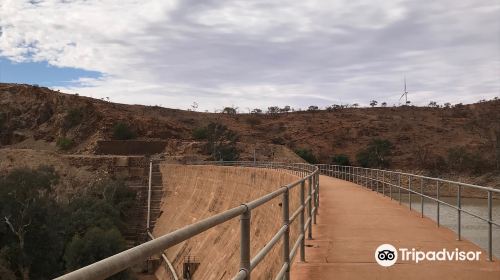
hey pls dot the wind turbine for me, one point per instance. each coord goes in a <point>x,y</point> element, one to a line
<point>405,94</point>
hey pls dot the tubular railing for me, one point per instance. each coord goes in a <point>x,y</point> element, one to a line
<point>383,181</point>
<point>309,203</point>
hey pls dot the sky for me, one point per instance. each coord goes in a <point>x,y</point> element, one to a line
<point>254,54</point>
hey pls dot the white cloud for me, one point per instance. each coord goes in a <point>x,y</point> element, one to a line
<point>260,53</point>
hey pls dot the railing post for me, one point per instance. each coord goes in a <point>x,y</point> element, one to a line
<point>383,182</point>
<point>302,223</point>
<point>309,204</point>
<point>459,213</point>
<point>317,191</point>
<point>357,175</point>
<point>286,235</point>
<point>490,227</point>
<point>422,197</point>
<point>371,179</point>
<point>245,243</point>
<point>437,204</point>
<point>316,195</point>
<point>148,218</point>
<point>390,184</point>
<point>367,182</point>
<point>399,187</point>
<point>409,190</point>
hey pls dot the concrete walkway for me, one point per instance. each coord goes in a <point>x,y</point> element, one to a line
<point>353,221</point>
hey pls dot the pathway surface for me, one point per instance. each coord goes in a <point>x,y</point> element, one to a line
<point>353,221</point>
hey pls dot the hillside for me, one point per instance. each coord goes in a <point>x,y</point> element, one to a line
<point>35,118</point>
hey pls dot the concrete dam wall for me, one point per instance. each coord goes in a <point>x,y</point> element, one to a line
<point>192,193</point>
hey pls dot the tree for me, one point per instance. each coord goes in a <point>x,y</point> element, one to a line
<point>221,142</point>
<point>307,155</point>
<point>447,105</point>
<point>373,103</point>
<point>285,109</point>
<point>384,104</point>
<point>200,133</point>
<point>377,154</point>
<point>433,104</point>
<point>355,105</point>
<point>94,246</point>
<point>313,108</point>
<point>5,271</point>
<point>340,159</point>
<point>229,110</point>
<point>273,110</point>
<point>35,228</point>
<point>23,193</point>
<point>73,117</point>
<point>256,111</point>
<point>122,131</point>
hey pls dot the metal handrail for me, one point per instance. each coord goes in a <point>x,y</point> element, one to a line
<point>372,177</point>
<point>310,173</point>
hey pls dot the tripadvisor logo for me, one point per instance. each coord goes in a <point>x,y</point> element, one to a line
<point>386,255</point>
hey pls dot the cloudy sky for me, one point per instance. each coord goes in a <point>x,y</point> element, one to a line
<point>254,53</point>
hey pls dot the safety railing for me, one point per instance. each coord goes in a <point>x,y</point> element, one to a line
<point>384,181</point>
<point>309,203</point>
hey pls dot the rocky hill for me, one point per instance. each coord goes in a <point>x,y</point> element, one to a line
<point>36,118</point>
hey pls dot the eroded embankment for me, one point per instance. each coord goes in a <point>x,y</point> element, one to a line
<point>196,192</point>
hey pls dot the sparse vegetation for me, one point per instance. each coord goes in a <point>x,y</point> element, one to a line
<point>340,159</point>
<point>221,142</point>
<point>73,117</point>
<point>462,160</point>
<point>200,133</point>
<point>307,155</point>
<point>64,143</point>
<point>253,121</point>
<point>122,131</point>
<point>377,154</point>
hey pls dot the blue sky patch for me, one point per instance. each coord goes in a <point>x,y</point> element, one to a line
<point>41,73</point>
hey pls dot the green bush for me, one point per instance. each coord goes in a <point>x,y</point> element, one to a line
<point>122,131</point>
<point>96,244</point>
<point>340,160</point>
<point>461,159</point>
<point>64,143</point>
<point>377,154</point>
<point>73,117</point>
<point>200,133</point>
<point>307,155</point>
<point>221,142</point>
